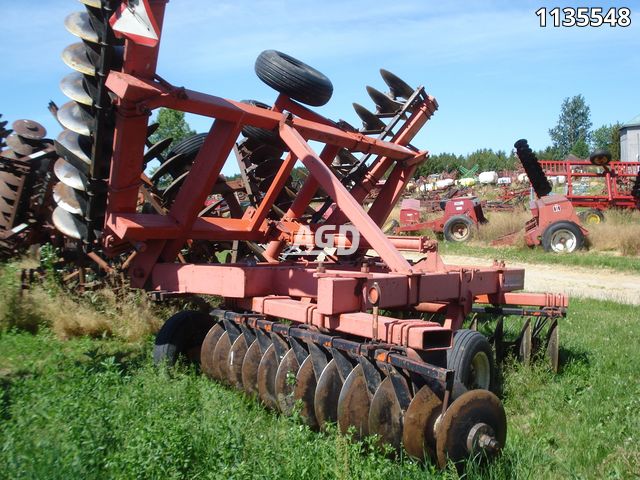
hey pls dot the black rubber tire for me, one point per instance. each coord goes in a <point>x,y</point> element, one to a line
<point>262,135</point>
<point>537,177</point>
<point>554,228</point>
<point>180,333</point>
<point>600,158</point>
<point>593,216</point>
<point>293,78</point>
<point>450,225</point>
<point>189,146</point>
<point>466,345</point>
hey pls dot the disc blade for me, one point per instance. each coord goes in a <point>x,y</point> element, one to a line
<point>354,403</point>
<point>69,224</point>
<point>525,345</point>
<point>69,175</point>
<point>168,167</point>
<point>29,129</point>
<point>418,429</point>
<point>78,24</point>
<point>70,199</point>
<point>74,117</point>
<point>156,149</point>
<point>398,87</point>
<point>369,119</point>
<point>208,346</point>
<point>75,56</point>
<point>72,87</point>
<point>454,434</point>
<point>250,366</point>
<point>18,145</point>
<point>75,148</point>
<point>553,346</point>
<point>220,354</point>
<point>236,357</point>
<point>285,382</point>
<point>266,378</point>
<point>327,393</point>
<point>383,102</point>
<point>385,414</point>
<point>304,392</point>
<point>92,3</point>
<point>174,186</point>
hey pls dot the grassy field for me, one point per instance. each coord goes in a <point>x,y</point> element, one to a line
<point>97,408</point>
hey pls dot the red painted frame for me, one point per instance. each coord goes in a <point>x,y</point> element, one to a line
<point>333,295</point>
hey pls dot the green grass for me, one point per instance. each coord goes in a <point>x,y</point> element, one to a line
<point>96,408</point>
<point>587,259</point>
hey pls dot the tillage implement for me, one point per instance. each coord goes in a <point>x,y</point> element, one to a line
<point>320,311</point>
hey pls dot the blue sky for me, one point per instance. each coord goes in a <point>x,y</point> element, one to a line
<point>496,74</point>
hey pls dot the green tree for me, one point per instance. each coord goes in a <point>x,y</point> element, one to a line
<point>607,137</point>
<point>574,125</point>
<point>172,125</point>
<point>580,149</point>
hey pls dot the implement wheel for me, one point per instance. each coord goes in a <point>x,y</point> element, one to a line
<point>181,336</point>
<point>472,359</point>
<point>458,228</point>
<point>592,216</point>
<point>293,78</point>
<point>562,237</point>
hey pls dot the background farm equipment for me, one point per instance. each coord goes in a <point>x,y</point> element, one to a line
<point>555,224</point>
<point>461,216</point>
<point>598,184</point>
<point>350,329</point>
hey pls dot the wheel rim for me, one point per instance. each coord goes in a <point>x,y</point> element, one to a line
<point>592,219</point>
<point>460,231</point>
<point>480,372</point>
<point>563,241</point>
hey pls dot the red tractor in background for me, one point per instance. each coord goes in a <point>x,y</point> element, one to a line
<point>461,217</point>
<point>555,224</point>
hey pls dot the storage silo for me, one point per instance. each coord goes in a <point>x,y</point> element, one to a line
<point>630,140</point>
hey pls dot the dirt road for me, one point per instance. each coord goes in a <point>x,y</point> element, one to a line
<point>576,281</point>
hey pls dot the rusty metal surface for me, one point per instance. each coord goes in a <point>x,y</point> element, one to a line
<point>237,354</point>
<point>78,24</point>
<point>386,415</point>
<point>70,199</point>
<point>472,408</point>
<point>29,129</point>
<point>69,175</point>
<point>285,382</point>
<point>552,351</point>
<point>250,366</point>
<point>208,346</point>
<point>68,224</point>
<point>76,118</point>
<point>73,87</point>
<point>354,403</point>
<point>219,363</point>
<point>304,392</point>
<point>418,432</point>
<point>327,393</point>
<point>75,56</point>
<point>266,378</point>
<point>79,146</point>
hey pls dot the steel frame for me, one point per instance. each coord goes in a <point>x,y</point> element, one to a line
<point>611,173</point>
<point>335,295</point>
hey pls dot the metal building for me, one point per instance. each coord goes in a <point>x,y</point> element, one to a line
<point>630,140</point>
